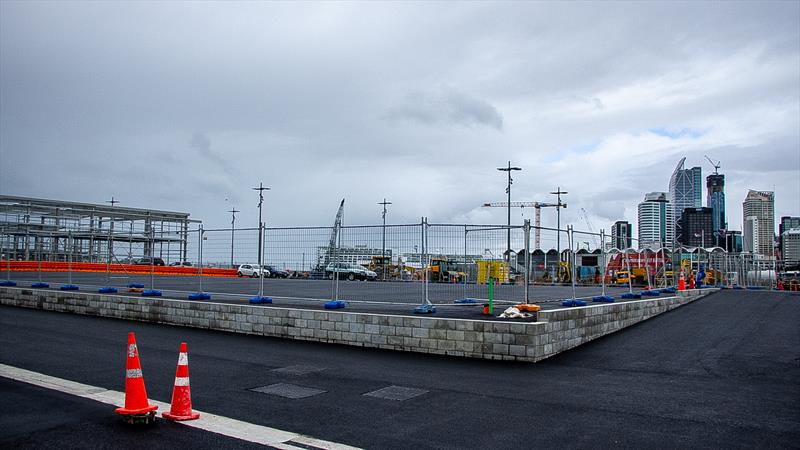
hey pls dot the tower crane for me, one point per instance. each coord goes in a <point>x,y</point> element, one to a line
<point>715,164</point>
<point>538,217</point>
<point>337,224</point>
<point>585,216</point>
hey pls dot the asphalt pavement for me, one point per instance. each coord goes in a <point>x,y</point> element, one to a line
<point>721,372</point>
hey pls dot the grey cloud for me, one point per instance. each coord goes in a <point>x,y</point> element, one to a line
<point>447,107</point>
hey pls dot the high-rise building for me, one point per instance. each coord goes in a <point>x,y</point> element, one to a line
<point>790,248</point>
<point>697,228</point>
<point>656,221</point>
<point>786,224</point>
<point>761,204</point>
<point>789,242</point>
<point>750,233</point>
<point>622,234</point>
<point>685,190</point>
<point>733,241</point>
<point>715,199</point>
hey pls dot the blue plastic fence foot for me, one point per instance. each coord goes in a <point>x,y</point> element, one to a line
<point>425,309</point>
<point>199,296</point>
<point>258,299</point>
<point>107,290</point>
<point>335,304</point>
<point>151,293</point>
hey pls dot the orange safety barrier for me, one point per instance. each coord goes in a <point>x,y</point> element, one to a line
<point>61,266</point>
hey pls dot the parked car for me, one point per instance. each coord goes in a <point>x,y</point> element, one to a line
<point>149,261</point>
<point>180,264</point>
<point>276,273</point>
<point>350,272</point>
<point>251,270</point>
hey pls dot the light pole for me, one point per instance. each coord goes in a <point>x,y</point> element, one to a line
<point>508,191</point>
<point>559,205</point>
<point>260,190</point>
<point>383,251</point>
<point>233,212</point>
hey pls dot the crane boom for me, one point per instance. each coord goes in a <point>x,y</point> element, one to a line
<point>715,164</point>
<point>537,232</point>
<point>332,243</point>
<point>591,228</point>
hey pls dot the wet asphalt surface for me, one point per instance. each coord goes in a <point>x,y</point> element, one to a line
<point>721,372</point>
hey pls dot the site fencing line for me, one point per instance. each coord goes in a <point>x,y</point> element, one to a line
<point>401,263</point>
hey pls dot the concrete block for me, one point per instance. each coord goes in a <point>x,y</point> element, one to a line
<point>436,333</point>
<point>455,335</point>
<point>411,342</point>
<point>500,349</point>
<point>420,333</point>
<point>445,344</point>
<point>403,331</point>
<point>516,350</point>
<point>372,329</point>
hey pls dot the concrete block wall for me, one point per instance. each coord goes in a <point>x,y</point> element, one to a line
<point>554,331</point>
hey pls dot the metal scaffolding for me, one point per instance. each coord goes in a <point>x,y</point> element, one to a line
<point>52,230</point>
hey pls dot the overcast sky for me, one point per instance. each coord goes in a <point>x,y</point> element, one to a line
<point>186,106</point>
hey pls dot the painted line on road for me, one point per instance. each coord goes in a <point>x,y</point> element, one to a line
<point>226,426</point>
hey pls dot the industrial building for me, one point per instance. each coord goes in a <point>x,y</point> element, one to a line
<point>56,230</point>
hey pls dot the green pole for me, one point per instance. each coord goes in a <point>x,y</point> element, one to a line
<point>491,295</point>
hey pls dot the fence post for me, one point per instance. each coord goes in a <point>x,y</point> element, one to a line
<point>426,307</point>
<point>527,231</point>
<point>200,256</point>
<point>605,268</point>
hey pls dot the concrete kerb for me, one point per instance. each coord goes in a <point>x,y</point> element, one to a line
<point>555,330</point>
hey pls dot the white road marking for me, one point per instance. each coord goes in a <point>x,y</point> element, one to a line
<point>207,421</point>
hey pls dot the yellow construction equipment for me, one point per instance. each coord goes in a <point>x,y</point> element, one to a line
<point>445,271</point>
<point>497,270</point>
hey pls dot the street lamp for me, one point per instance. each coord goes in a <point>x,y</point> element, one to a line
<point>383,250</point>
<point>508,191</point>
<point>233,212</point>
<point>260,190</point>
<point>559,205</point>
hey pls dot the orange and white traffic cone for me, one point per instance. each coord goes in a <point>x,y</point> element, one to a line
<point>181,407</point>
<point>136,404</point>
<point>682,283</point>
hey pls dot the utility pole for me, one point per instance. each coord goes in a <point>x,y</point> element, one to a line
<point>559,205</point>
<point>260,190</point>
<point>111,230</point>
<point>233,212</point>
<point>508,191</point>
<point>383,251</point>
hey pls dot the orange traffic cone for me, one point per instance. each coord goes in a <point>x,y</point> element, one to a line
<point>181,407</point>
<point>136,403</point>
<point>682,283</point>
<point>691,282</point>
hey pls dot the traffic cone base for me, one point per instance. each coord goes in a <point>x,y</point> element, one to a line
<point>181,406</point>
<point>191,416</point>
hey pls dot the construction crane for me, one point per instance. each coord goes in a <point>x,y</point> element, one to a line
<point>537,241</point>
<point>715,164</point>
<point>585,217</point>
<point>332,243</point>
